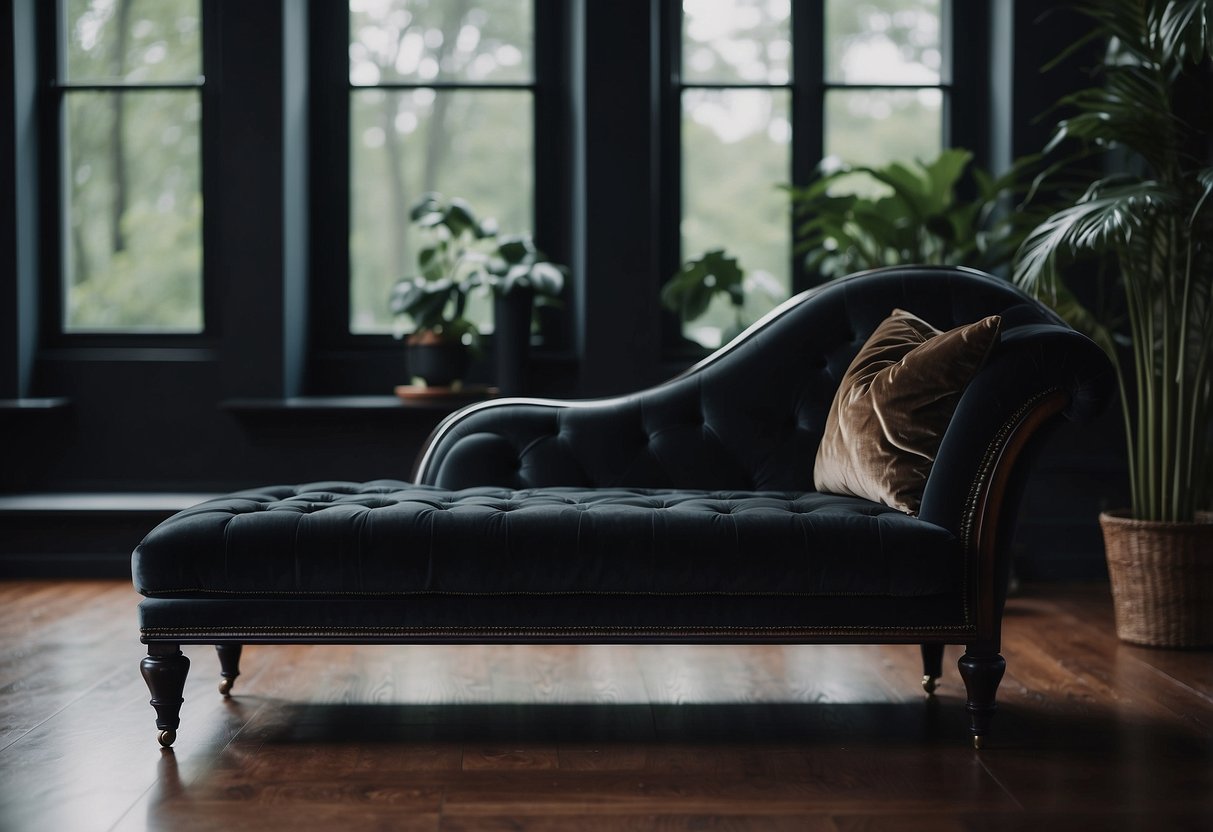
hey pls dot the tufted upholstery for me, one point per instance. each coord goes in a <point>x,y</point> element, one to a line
<point>389,538</point>
<point>698,487</point>
<point>751,416</point>
<point>680,513</point>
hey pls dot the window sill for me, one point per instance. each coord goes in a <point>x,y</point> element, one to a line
<point>100,503</point>
<point>320,405</point>
<point>35,404</point>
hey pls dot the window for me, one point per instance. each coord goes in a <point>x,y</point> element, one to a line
<point>129,108</point>
<point>884,67</point>
<point>736,147</point>
<point>441,98</point>
<point>766,88</point>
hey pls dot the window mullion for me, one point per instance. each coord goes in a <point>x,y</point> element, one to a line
<point>670,158</point>
<point>330,171</point>
<point>553,94</point>
<point>54,201</point>
<point>808,108</point>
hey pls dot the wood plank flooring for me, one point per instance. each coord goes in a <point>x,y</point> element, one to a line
<point>1093,734</point>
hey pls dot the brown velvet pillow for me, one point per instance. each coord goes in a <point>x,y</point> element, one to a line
<point>893,406</point>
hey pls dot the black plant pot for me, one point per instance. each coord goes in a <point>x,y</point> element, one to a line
<point>512,339</point>
<point>438,364</point>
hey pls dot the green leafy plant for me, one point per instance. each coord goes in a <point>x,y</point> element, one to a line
<point>517,265</point>
<point>920,219</point>
<point>450,265</point>
<point>460,254</point>
<point>691,290</point>
<point>1153,219</point>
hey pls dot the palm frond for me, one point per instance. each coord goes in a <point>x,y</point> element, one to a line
<point>1123,21</point>
<point>1128,109</point>
<point>1185,29</point>
<point>1108,214</point>
<point>1204,178</point>
<point>1156,230</point>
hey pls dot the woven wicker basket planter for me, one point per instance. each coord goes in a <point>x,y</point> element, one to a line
<point>1162,580</point>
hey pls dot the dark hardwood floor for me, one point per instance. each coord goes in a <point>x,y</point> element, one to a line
<point>1093,734</point>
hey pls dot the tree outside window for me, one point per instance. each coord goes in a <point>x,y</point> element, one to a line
<point>130,106</point>
<point>441,99</point>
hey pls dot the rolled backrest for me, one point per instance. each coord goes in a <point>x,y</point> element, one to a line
<point>749,417</point>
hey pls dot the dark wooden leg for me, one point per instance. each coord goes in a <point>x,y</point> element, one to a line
<point>229,666</point>
<point>982,671</point>
<point>932,667</point>
<point>164,670</point>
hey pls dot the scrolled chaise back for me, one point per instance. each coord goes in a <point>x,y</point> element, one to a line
<point>750,417</point>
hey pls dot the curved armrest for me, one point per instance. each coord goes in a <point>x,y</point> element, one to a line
<point>491,442</point>
<point>1037,370</point>
<point>662,437</point>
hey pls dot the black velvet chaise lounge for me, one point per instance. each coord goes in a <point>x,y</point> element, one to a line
<point>684,513</point>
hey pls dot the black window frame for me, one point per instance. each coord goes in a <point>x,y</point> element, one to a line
<point>332,342</point>
<point>53,202</point>
<point>964,78</point>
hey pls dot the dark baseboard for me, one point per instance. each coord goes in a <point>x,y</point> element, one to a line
<point>61,565</point>
<point>79,535</point>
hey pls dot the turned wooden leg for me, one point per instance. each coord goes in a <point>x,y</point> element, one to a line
<point>164,670</point>
<point>981,671</point>
<point>229,666</point>
<point>932,667</point>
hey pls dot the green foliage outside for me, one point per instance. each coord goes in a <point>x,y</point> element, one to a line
<point>730,201</point>
<point>474,143</point>
<point>737,144</point>
<point>132,241</point>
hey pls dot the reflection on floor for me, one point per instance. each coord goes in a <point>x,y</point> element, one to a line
<point>1092,734</point>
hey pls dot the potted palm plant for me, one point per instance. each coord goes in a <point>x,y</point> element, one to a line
<point>1148,120</point>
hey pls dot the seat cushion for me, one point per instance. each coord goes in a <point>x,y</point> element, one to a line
<point>388,538</point>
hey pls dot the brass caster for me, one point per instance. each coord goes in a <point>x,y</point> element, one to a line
<point>167,738</point>
<point>977,742</point>
<point>225,686</point>
<point>929,684</point>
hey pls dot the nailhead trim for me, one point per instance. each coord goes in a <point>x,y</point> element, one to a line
<point>984,471</point>
<point>526,593</point>
<point>228,632</point>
